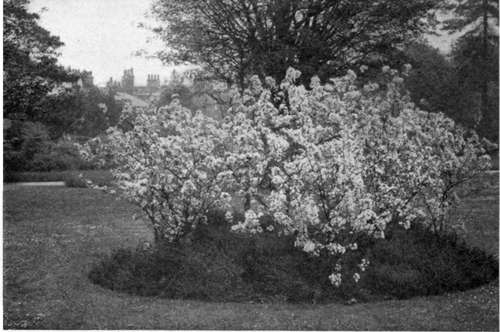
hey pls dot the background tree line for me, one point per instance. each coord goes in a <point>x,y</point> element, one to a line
<point>44,107</point>
<point>234,39</point>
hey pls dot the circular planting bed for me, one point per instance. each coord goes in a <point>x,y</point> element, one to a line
<point>216,264</point>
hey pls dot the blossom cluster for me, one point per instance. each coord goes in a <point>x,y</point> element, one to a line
<point>170,162</point>
<point>327,163</point>
<point>339,159</point>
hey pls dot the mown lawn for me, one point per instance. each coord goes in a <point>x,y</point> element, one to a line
<point>53,235</point>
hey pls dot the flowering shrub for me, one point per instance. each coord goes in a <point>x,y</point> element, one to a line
<point>344,160</point>
<point>170,164</point>
<point>327,164</point>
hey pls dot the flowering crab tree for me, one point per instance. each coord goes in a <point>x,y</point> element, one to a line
<point>170,162</point>
<point>328,163</point>
<point>338,160</point>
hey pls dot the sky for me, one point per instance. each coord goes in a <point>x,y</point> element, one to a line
<point>103,35</point>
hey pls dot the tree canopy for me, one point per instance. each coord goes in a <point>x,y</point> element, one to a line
<point>236,38</point>
<point>478,19</point>
<point>477,76</point>
<point>471,15</point>
<point>30,60</point>
<point>83,112</point>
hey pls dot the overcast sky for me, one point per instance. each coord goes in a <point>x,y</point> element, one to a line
<point>102,35</point>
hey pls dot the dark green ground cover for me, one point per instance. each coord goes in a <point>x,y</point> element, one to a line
<point>54,236</point>
<point>218,265</point>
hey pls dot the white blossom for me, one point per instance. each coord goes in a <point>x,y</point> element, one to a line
<point>331,161</point>
<point>335,279</point>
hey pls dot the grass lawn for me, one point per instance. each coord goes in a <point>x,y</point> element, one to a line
<point>53,235</point>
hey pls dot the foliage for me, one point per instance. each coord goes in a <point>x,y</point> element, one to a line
<point>469,15</point>
<point>30,69</point>
<point>24,140</point>
<point>37,105</point>
<point>204,93</point>
<point>220,265</point>
<point>79,111</point>
<point>326,165</point>
<point>478,20</point>
<point>170,163</point>
<point>419,262</point>
<point>339,160</point>
<point>452,85</point>
<point>432,82</point>
<point>61,155</point>
<point>235,39</point>
<point>467,57</point>
<point>75,182</point>
<point>44,144</point>
<point>201,269</point>
<point>31,149</point>
<point>176,90</point>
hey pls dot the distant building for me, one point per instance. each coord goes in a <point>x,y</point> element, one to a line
<point>128,81</point>
<point>150,92</point>
<point>86,79</point>
<point>153,81</point>
<point>81,79</point>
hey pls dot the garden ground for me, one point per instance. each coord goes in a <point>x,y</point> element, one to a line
<point>52,236</point>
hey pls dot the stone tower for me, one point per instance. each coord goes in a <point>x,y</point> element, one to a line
<point>128,80</point>
<point>87,79</point>
<point>153,82</point>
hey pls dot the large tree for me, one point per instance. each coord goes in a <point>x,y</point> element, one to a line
<point>478,21</point>
<point>432,80</point>
<point>452,84</point>
<point>30,61</point>
<point>85,112</point>
<point>477,79</point>
<point>235,38</point>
